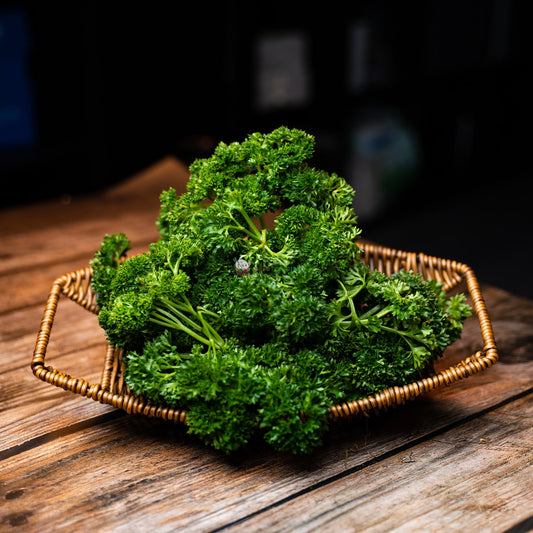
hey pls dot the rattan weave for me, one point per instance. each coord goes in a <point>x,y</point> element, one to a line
<point>113,391</point>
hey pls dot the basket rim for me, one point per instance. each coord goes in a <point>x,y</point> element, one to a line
<point>76,286</point>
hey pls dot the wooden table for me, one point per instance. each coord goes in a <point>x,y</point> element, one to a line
<point>457,459</point>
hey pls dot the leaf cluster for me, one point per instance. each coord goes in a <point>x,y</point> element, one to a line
<point>269,347</point>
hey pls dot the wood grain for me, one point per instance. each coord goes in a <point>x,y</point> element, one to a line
<point>433,486</point>
<point>143,475</point>
<point>140,193</point>
<point>67,462</point>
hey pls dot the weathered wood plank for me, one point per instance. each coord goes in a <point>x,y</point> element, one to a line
<point>477,476</point>
<point>139,192</point>
<point>78,239</point>
<point>32,408</point>
<point>24,288</point>
<point>45,234</point>
<point>131,474</point>
<point>74,329</point>
<point>29,407</point>
<point>65,458</point>
<point>52,409</point>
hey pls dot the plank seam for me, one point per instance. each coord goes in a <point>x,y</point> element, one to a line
<point>46,438</point>
<point>374,460</point>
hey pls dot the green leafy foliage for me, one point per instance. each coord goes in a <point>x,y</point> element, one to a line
<point>269,346</point>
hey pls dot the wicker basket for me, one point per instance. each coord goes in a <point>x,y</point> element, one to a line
<point>112,389</point>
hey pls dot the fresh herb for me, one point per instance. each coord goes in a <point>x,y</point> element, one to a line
<point>257,329</point>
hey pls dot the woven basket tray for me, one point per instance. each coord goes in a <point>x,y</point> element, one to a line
<point>112,389</point>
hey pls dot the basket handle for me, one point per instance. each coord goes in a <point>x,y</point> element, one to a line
<point>75,285</point>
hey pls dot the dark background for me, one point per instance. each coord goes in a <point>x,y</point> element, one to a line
<point>91,94</point>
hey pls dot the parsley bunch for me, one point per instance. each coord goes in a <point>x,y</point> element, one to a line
<point>258,329</point>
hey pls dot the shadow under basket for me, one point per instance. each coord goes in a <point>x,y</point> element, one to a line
<point>113,390</point>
